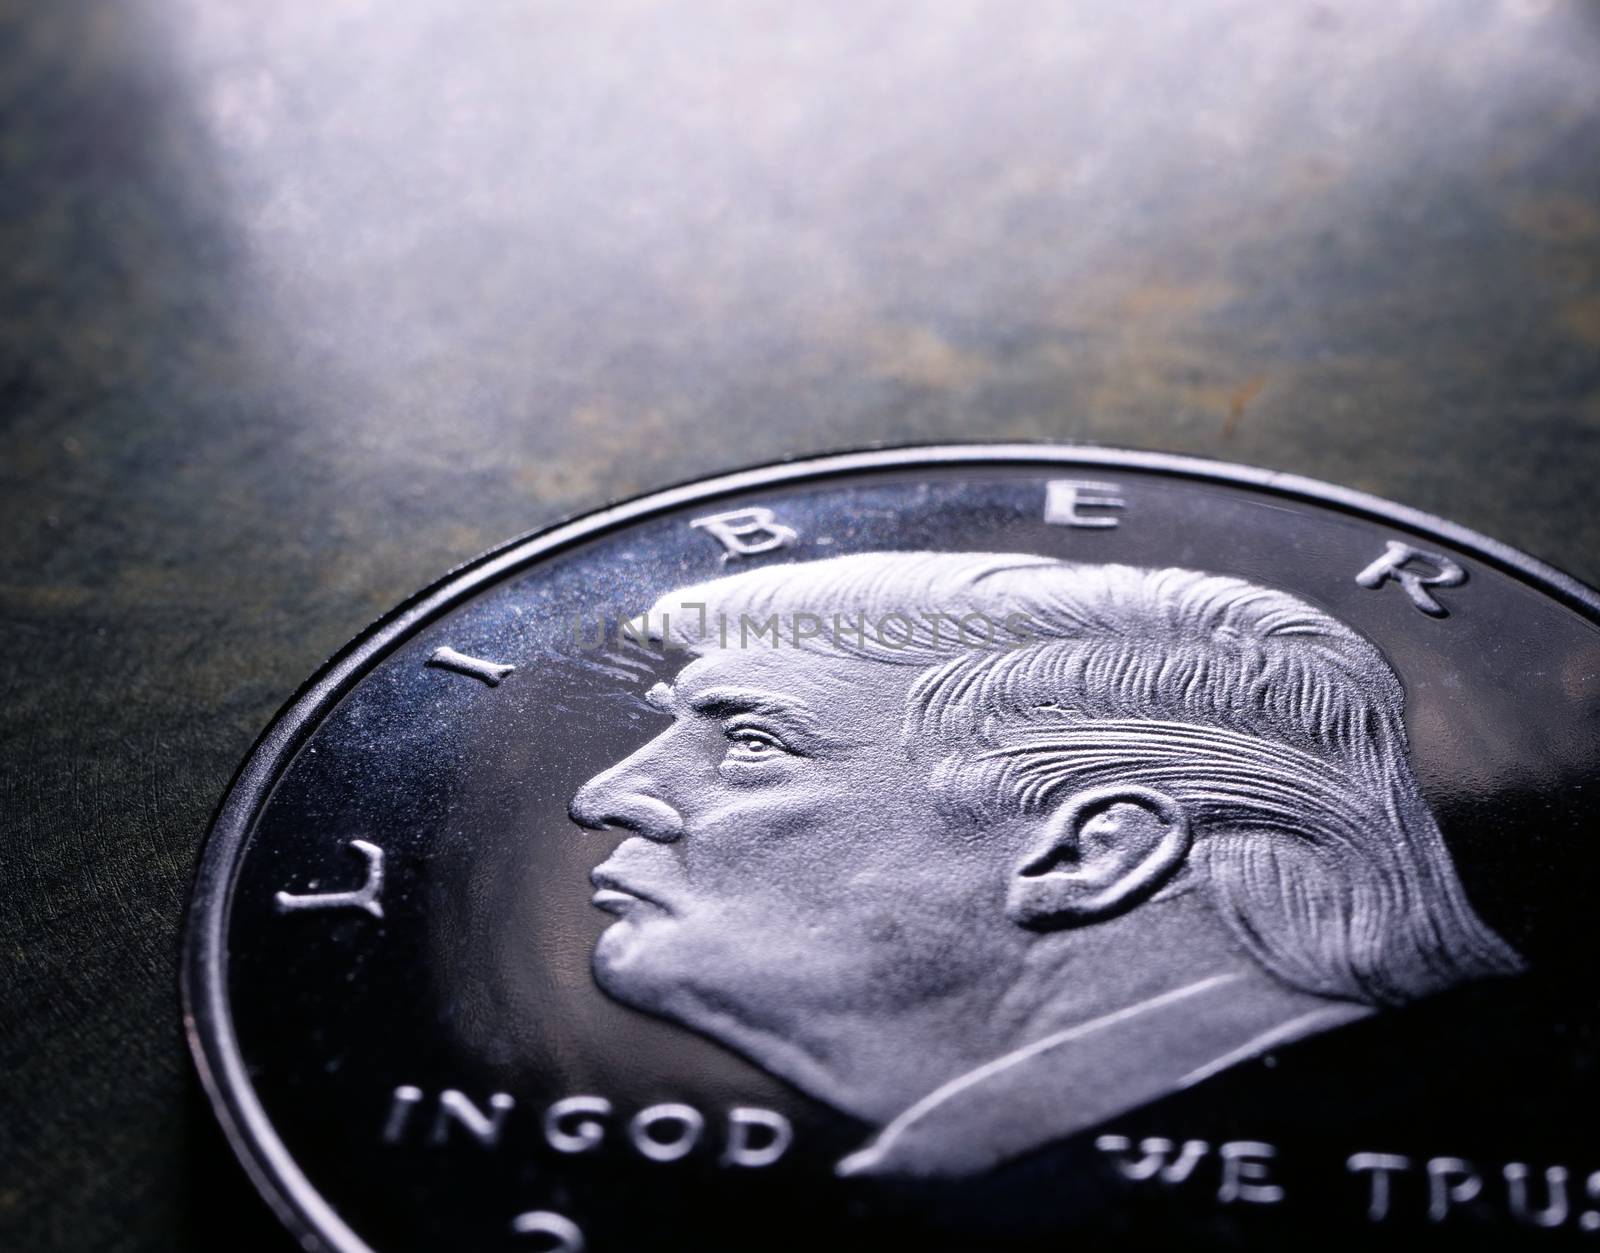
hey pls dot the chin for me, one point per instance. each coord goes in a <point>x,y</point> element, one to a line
<point>627,966</point>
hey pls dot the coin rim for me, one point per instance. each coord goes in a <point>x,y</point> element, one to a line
<point>207,1021</point>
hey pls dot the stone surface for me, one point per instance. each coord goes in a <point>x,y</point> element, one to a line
<point>302,304</point>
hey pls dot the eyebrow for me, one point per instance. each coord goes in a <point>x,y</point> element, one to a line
<point>722,702</point>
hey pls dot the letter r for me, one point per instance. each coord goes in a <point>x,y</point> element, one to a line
<point>1397,556</point>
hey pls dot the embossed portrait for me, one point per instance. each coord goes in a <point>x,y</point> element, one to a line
<point>1061,840</point>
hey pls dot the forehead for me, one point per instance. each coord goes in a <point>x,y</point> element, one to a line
<point>826,682</point>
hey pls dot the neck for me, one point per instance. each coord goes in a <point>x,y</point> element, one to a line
<point>1074,976</point>
<point>875,1063</point>
<point>1081,1076</point>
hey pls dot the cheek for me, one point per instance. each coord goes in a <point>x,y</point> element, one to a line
<point>835,937</point>
<point>851,876</point>
<point>850,855</point>
<point>798,850</point>
<point>935,934</point>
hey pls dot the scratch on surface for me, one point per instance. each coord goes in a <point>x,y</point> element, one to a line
<point>1239,400</point>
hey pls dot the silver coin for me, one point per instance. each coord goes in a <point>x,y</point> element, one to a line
<point>967,847</point>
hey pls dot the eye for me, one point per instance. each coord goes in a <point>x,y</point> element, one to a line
<point>750,744</point>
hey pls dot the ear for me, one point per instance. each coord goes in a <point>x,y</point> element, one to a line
<point>1097,853</point>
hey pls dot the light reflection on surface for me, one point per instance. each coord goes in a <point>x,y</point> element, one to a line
<point>496,235</point>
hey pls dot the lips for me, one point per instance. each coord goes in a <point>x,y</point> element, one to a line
<point>614,896</point>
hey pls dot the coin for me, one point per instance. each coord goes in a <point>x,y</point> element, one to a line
<point>974,847</point>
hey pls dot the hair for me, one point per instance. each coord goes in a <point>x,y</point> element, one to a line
<point>1278,728</point>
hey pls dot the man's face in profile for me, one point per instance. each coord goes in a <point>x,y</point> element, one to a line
<point>785,856</point>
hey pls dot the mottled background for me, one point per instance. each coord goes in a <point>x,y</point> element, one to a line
<point>302,303</point>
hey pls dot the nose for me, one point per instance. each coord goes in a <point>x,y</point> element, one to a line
<point>621,798</point>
